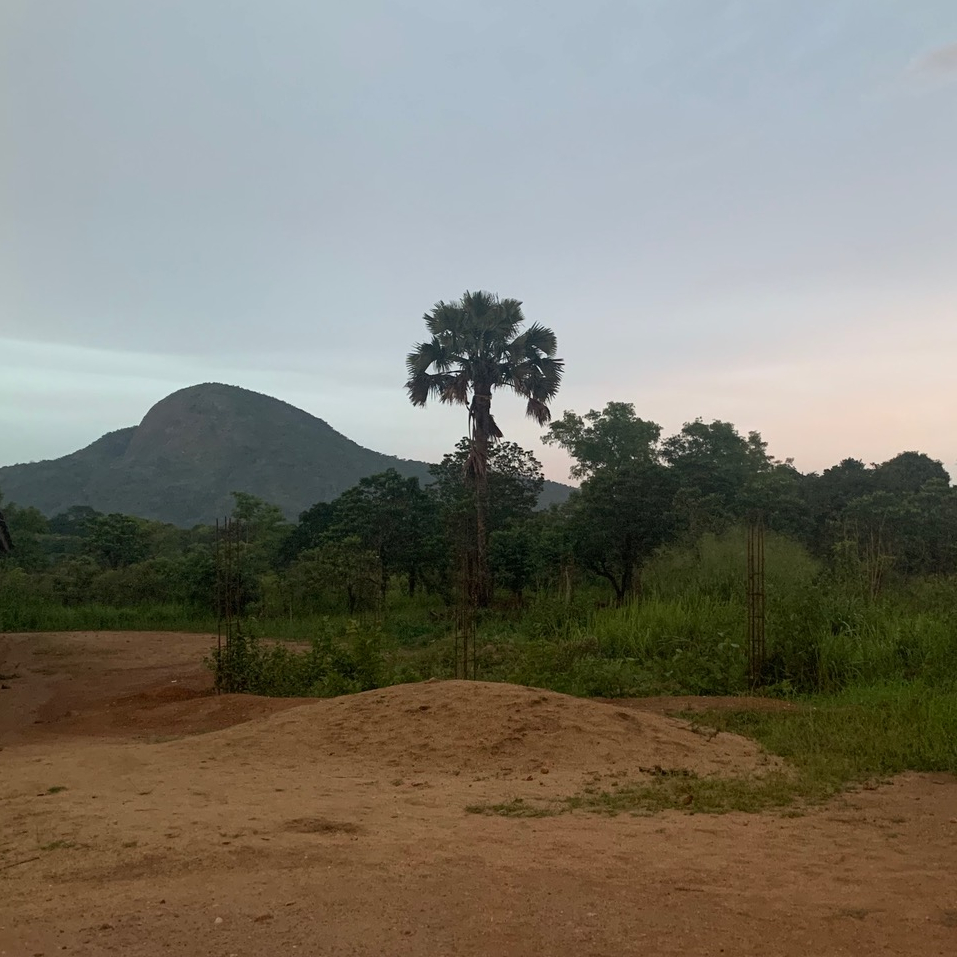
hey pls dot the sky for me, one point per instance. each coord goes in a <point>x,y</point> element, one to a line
<point>741,210</point>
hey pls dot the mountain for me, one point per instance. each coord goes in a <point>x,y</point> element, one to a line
<point>198,445</point>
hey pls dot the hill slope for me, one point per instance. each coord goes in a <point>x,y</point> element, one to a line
<point>198,445</point>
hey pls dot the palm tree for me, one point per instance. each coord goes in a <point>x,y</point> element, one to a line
<point>478,345</point>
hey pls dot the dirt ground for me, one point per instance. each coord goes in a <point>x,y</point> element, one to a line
<point>140,814</point>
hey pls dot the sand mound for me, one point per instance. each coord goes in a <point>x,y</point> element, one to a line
<point>458,726</point>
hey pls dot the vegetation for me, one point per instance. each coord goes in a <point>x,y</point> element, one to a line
<point>478,345</point>
<point>634,586</point>
<point>858,738</point>
<point>382,556</point>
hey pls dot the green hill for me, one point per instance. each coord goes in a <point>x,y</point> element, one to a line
<point>198,445</point>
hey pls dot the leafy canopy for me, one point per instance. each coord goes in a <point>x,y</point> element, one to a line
<point>515,482</point>
<point>610,439</point>
<point>478,344</point>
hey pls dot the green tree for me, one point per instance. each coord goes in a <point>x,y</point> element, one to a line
<point>196,577</point>
<point>778,493</point>
<point>909,472</point>
<point>515,482</point>
<point>624,508</point>
<point>74,578</point>
<point>909,533</point>
<point>341,568</point>
<point>260,517</point>
<point>476,346</point>
<point>264,530</point>
<point>717,463</point>
<point>310,533</point>
<point>514,556</point>
<point>20,536</point>
<point>74,522</point>
<point>899,517</point>
<point>610,439</point>
<point>391,517</point>
<point>842,483</point>
<point>618,518</point>
<point>828,494</point>
<point>117,540</point>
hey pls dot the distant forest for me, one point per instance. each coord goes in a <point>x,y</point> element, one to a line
<point>640,492</point>
<point>636,583</point>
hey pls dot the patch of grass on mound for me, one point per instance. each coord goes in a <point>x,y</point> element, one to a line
<point>689,793</point>
<point>517,807</point>
<point>697,795</point>
<point>834,743</point>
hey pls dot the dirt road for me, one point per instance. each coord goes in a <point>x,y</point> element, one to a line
<point>143,816</point>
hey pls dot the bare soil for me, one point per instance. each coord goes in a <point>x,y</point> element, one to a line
<point>142,814</point>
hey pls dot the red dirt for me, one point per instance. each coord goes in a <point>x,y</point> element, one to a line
<point>339,827</point>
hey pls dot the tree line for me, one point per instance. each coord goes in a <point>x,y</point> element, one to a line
<point>639,491</point>
<point>473,532</point>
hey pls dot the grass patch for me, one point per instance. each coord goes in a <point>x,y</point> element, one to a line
<point>831,745</point>
<point>687,792</point>
<point>694,794</point>
<point>858,735</point>
<point>517,807</point>
<point>20,613</point>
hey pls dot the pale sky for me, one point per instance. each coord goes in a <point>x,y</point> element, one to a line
<point>737,210</point>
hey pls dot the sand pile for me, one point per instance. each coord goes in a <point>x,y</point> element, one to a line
<point>460,727</point>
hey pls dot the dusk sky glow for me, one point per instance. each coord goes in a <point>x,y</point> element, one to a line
<point>736,210</point>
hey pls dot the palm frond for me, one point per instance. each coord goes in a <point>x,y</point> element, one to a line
<point>540,340</point>
<point>424,385</point>
<point>475,465</point>
<point>456,388</point>
<point>445,321</point>
<point>423,356</point>
<point>508,320</point>
<point>478,345</point>
<point>551,370</point>
<point>538,379</point>
<point>477,306</point>
<point>537,410</point>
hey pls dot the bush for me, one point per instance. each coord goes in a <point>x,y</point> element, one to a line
<point>246,664</point>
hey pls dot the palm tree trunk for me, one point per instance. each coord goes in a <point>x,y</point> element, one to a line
<point>482,579</point>
<point>6,543</point>
<point>482,585</point>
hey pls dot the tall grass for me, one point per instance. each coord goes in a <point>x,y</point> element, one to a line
<point>863,732</point>
<point>40,615</point>
<point>686,633</point>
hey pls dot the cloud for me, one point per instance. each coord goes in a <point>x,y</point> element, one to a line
<point>939,63</point>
